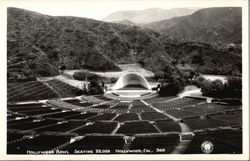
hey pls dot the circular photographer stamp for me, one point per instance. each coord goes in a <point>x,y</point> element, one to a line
<point>207,147</point>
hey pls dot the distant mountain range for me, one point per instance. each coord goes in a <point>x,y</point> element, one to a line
<point>148,15</point>
<point>213,25</point>
<point>38,45</point>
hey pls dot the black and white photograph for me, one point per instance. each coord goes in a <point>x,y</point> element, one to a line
<point>126,78</point>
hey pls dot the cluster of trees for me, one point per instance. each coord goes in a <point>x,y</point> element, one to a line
<point>172,80</point>
<point>230,89</point>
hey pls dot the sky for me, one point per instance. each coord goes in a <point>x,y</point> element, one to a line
<point>98,9</point>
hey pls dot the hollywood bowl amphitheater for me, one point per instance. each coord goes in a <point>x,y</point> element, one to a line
<point>50,117</point>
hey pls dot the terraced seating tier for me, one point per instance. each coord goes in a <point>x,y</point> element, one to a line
<point>96,142</point>
<point>127,117</point>
<point>103,117</point>
<point>64,105</point>
<point>103,106</point>
<point>179,114</point>
<point>140,109</point>
<point>98,127</point>
<point>26,105</point>
<point>76,102</point>
<point>62,114</point>
<point>103,98</point>
<point>13,137</point>
<point>27,91</point>
<point>176,103</point>
<point>168,126</point>
<point>81,116</point>
<point>13,116</point>
<point>123,107</point>
<point>234,117</point>
<point>62,127</point>
<point>158,99</point>
<point>64,89</point>
<point>19,121</point>
<point>210,108</point>
<point>152,116</point>
<point>40,143</point>
<point>31,125</point>
<point>197,123</point>
<point>35,108</point>
<point>40,112</point>
<point>136,127</point>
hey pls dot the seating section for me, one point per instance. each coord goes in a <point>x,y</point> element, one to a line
<point>152,116</point>
<point>11,137</point>
<point>81,116</point>
<point>33,90</point>
<point>31,125</point>
<point>62,127</point>
<point>127,117</point>
<point>168,126</point>
<point>39,144</point>
<point>136,127</point>
<point>36,90</point>
<point>179,114</point>
<point>62,114</point>
<point>234,117</point>
<point>103,117</point>
<point>224,141</point>
<point>211,108</point>
<point>92,143</point>
<point>176,103</point>
<point>197,123</point>
<point>96,122</point>
<point>64,89</point>
<point>97,127</point>
<point>158,99</point>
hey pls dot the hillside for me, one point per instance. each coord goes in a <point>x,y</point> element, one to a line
<point>205,58</point>
<point>38,45</point>
<point>213,25</point>
<point>148,15</point>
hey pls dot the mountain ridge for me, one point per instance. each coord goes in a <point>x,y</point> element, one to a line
<point>148,15</point>
<point>213,25</point>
